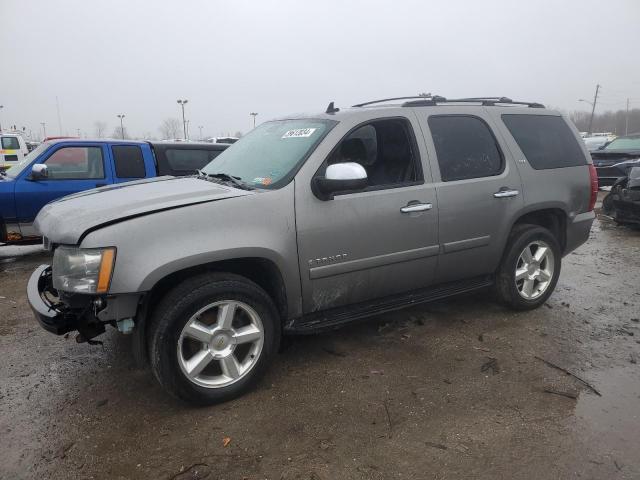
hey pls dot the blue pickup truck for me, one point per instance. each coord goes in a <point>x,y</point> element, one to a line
<point>61,167</point>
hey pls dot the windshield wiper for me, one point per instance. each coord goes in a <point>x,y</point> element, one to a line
<point>225,177</point>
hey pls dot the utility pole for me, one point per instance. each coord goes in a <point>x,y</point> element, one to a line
<point>254,115</point>
<point>593,108</point>
<point>121,116</point>
<point>626,120</point>
<point>182,103</point>
<point>44,130</point>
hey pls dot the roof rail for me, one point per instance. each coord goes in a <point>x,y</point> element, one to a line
<point>426,99</point>
<point>485,101</point>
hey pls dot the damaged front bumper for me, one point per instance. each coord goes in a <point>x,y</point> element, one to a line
<point>623,205</point>
<point>88,314</point>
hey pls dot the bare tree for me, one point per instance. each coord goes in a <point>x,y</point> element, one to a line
<point>100,127</point>
<point>170,128</point>
<point>120,133</point>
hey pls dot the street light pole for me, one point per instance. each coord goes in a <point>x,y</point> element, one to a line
<point>121,116</point>
<point>626,120</point>
<point>200,128</point>
<point>182,103</point>
<point>593,108</point>
<point>254,115</point>
<point>44,130</point>
<point>1,107</point>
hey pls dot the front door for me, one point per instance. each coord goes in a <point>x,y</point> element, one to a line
<point>479,191</point>
<point>376,242</point>
<point>71,169</point>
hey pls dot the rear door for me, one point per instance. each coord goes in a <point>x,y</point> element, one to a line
<point>72,168</point>
<point>478,189</point>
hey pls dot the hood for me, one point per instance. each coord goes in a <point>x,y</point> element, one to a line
<point>68,219</point>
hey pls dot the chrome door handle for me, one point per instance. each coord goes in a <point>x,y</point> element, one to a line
<point>506,193</point>
<point>416,207</point>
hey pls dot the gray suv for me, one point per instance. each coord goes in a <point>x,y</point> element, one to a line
<point>313,221</point>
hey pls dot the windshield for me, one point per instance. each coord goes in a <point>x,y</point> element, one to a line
<point>624,143</point>
<point>269,155</point>
<point>19,167</point>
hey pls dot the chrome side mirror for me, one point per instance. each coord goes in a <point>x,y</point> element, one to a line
<point>340,177</point>
<point>39,171</point>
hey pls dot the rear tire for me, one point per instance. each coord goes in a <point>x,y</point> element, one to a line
<point>529,269</point>
<point>212,337</point>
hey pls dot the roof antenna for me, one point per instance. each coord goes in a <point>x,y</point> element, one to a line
<point>331,109</point>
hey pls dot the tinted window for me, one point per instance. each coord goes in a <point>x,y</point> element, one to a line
<point>465,146</point>
<point>128,161</point>
<point>546,141</point>
<point>385,149</point>
<point>10,143</point>
<point>188,161</point>
<point>76,163</point>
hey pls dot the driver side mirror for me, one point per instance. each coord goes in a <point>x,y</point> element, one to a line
<point>39,171</point>
<point>340,177</point>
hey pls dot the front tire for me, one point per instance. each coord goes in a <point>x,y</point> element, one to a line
<point>212,337</point>
<point>530,268</point>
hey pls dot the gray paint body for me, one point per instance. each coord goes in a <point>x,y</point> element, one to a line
<point>353,248</point>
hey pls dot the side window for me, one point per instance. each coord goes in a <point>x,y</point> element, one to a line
<point>465,147</point>
<point>70,163</point>
<point>386,150</point>
<point>128,161</point>
<point>187,161</point>
<point>10,143</point>
<point>546,141</point>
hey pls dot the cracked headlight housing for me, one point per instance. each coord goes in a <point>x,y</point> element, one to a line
<point>83,270</point>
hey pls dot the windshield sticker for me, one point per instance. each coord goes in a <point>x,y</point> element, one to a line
<point>299,133</point>
<point>263,180</point>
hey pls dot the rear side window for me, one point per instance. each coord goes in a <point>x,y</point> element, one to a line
<point>187,161</point>
<point>10,143</point>
<point>546,141</point>
<point>128,161</point>
<point>465,146</point>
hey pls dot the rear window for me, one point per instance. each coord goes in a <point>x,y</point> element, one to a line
<point>465,147</point>
<point>128,161</point>
<point>546,141</point>
<point>189,160</point>
<point>10,143</point>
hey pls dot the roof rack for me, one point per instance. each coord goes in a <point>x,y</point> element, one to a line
<point>432,100</point>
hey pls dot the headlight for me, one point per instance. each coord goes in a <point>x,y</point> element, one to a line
<point>83,270</point>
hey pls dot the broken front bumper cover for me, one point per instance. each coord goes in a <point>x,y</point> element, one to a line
<point>54,318</point>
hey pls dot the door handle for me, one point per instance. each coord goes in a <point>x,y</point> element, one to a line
<point>416,207</point>
<point>506,193</point>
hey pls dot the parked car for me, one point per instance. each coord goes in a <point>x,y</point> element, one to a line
<point>13,149</point>
<point>309,223</point>
<point>622,203</point>
<point>61,167</point>
<point>596,143</point>
<point>228,140</point>
<point>611,161</point>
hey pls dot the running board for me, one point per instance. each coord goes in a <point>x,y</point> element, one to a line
<point>337,317</point>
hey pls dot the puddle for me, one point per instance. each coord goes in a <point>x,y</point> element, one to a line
<point>613,419</point>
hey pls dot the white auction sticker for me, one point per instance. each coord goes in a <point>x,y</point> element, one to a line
<point>299,133</point>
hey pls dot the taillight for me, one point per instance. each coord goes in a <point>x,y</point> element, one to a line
<point>594,186</point>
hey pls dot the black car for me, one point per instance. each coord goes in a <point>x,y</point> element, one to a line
<point>184,158</point>
<point>614,160</point>
<point>623,202</point>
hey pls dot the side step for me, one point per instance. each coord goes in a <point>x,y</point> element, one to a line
<point>338,317</point>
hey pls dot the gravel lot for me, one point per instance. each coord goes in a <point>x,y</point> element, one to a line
<point>452,389</point>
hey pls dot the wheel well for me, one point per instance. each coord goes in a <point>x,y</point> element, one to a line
<point>259,270</point>
<point>553,219</point>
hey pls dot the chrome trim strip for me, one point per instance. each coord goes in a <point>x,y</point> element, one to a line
<point>451,247</point>
<point>372,262</point>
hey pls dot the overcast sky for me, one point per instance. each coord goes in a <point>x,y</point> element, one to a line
<point>229,58</point>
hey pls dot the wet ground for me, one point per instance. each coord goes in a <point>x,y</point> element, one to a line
<point>455,389</point>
